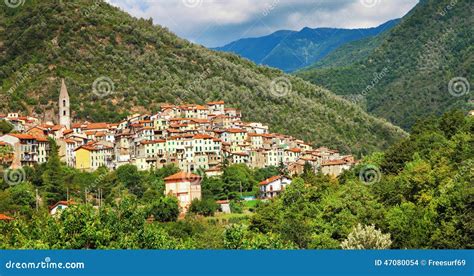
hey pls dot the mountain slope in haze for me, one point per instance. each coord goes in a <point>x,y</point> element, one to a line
<point>424,65</point>
<point>143,65</point>
<point>291,50</point>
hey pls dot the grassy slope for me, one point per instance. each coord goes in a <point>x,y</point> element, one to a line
<point>82,41</point>
<point>422,55</point>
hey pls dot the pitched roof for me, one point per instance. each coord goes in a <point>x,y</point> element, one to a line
<point>182,176</point>
<point>5,217</point>
<point>215,103</point>
<point>271,179</point>
<point>97,126</point>
<point>63,202</point>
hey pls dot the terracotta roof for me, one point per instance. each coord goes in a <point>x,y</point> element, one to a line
<point>202,136</point>
<point>22,136</point>
<point>235,130</point>
<point>271,179</point>
<point>182,176</point>
<point>56,127</point>
<point>63,202</point>
<point>97,126</point>
<point>93,147</point>
<point>215,103</point>
<point>5,217</point>
<point>149,142</point>
<point>295,150</point>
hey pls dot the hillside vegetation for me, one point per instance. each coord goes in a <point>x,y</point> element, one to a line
<point>143,65</point>
<point>423,66</point>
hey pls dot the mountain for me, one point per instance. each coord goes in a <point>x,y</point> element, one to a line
<point>292,50</point>
<point>423,66</point>
<point>115,64</point>
<point>349,53</point>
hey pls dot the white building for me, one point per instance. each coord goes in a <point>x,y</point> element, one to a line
<point>271,187</point>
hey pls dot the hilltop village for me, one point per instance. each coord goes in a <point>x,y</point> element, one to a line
<point>193,137</point>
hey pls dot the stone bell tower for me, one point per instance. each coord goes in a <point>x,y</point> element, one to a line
<point>64,110</point>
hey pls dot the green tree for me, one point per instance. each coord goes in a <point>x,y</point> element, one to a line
<point>205,207</point>
<point>164,209</point>
<point>366,237</point>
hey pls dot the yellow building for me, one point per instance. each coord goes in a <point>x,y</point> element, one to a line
<point>92,156</point>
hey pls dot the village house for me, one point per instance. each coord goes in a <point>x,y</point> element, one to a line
<point>28,150</point>
<point>273,186</point>
<point>185,187</point>
<point>60,206</point>
<point>91,156</point>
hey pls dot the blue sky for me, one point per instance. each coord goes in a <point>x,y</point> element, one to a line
<point>217,22</point>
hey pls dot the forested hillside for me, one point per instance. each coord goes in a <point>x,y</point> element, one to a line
<point>424,65</point>
<point>349,53</point>
<point>132,65</point>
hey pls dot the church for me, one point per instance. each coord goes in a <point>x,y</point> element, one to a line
<point>64,107</point>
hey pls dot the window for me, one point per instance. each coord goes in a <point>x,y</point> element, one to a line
<point>64,103</point>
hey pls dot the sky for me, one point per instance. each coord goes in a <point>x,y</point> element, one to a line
<point>215,23</point>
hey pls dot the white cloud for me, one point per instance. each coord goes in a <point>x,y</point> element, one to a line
<point>216,22</point>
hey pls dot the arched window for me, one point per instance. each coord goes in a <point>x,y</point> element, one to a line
<point>64,103</point>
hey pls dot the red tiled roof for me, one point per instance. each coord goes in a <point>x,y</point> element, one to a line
<point>295,150</point>
<point>182,176</point>
<point>271,179</point>
<point>22,136</point>
<point>149,142</point>
<point>63,202</point>
<point>235,130</point>
<point>202,136</point>
<point>5,217</point>
<point>215,103</point>
<point>97,126</point>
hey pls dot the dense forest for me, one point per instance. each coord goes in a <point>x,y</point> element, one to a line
<point>423,66</point>
<point>140,65</point>
<point>416,194</point>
